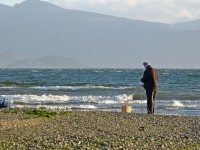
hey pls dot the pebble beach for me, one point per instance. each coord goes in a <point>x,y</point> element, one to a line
<point>96,130</point>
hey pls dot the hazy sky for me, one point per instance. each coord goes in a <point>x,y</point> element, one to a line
<point>166,11</point>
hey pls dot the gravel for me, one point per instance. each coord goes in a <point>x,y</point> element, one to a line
<point>28,129</point>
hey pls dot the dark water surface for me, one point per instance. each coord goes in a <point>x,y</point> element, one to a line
<point>100,89</point>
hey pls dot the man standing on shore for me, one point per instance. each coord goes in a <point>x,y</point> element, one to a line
<point>150,80</point>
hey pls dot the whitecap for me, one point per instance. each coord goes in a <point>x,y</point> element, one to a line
<point>177,103</point>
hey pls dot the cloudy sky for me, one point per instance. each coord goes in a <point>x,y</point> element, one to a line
<point>166,11</point>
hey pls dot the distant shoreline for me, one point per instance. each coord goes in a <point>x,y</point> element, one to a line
<point>123,68</point>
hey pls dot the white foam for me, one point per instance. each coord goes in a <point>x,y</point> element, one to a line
<point>90,101</point>
<point>40,99</point>
<point>31,99</point>
<point>177,103</point>
<point>76,87</point>
<point>6,87</point>
<point>60,107</point>
<point>118,71</point>
<point>99,71</point>
<point>107,102</point>
<point>139,101</point>
<point>84,107</point>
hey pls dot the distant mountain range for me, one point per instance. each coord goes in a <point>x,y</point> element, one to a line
<point>191,25</point>
<point>38,29</point>
<point>13,60</point>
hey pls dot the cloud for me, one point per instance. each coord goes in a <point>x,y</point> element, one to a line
<point>167,11</point>
<point>102,1</point>
<point>132,2</point>
<point>10,2</point>
<point>194,1</point>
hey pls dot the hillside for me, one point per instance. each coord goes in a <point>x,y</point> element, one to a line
<point>191,25</point>
<point>36,28</point>
<point>13,60</point>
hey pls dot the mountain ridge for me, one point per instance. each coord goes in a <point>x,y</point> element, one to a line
<point>189,25</point>
<point>13,60</point>
<point>91,38</point>
<point>42,4</point>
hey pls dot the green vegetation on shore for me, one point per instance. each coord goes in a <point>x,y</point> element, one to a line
<point>42,129</point>
<point>38,112</point>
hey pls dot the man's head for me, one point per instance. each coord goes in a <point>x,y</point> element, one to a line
<point>146,64</point>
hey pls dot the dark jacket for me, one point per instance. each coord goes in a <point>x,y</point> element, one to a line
<point>150,79</point>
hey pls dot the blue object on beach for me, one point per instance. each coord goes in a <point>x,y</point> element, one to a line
<point>3,103</point>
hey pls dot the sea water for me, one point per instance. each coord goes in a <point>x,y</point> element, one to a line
<point>100,89</point>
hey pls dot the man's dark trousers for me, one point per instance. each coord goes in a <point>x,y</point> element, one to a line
<point>150,101</point>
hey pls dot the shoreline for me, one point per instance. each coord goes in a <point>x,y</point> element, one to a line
<point>116,109</point>
<point>40,129</point>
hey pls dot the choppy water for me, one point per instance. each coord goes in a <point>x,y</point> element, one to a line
<point>100,89</point>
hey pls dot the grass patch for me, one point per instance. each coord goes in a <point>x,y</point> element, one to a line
<point>12,111</point>
<point>38,112</point>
